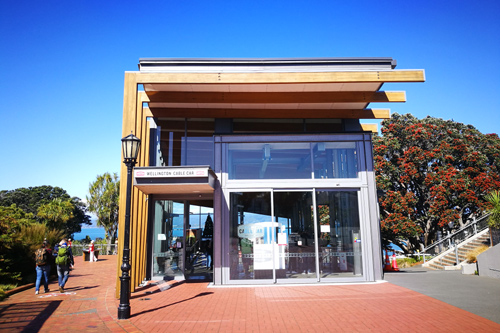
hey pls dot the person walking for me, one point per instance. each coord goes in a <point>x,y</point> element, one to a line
<point>93,258</point>
<point>42,256</point>
<point>63,261</point>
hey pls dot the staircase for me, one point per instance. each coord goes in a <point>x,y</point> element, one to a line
<point>448,259</point>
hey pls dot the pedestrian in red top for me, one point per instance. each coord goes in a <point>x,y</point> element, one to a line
<point>92,253</point>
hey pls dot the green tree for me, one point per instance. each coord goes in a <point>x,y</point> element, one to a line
<point>103,201</point>
<point>432,172</point>
<point>56,213</point>
<point>493,199</point>
<point>30,199</point>
<point>11,220</point>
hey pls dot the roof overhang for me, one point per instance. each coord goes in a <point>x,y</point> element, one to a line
<point>335,88</point>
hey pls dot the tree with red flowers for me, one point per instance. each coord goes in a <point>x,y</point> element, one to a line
<point>432,172</point>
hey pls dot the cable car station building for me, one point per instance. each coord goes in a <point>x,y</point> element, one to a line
<point>255,171</point>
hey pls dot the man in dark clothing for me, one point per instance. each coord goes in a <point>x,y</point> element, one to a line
<point>42,267</point>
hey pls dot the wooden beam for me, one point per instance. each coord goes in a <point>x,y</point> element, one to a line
<point>303,77</point>
<point>128,125</point>
<point>369,127</point>
<point>272,113</point>
<point>277,97</point>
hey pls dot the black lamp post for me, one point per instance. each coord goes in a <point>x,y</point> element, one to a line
<point>130,145</point>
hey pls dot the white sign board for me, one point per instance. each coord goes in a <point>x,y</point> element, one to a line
<point>171,173</point>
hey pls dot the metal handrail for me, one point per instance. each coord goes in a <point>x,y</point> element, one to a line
<point>458,236</point>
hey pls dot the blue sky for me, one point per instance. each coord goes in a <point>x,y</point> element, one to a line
<point>61,86</point>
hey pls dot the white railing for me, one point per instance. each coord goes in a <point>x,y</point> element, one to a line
<point>103,249</point>
<point>457,237</point>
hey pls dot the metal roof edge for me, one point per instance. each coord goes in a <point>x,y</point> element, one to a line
<point>151,62</point>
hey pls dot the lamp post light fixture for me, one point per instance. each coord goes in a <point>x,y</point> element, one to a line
<point>130,145</point>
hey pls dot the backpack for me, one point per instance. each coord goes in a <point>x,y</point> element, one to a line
<point>62,256</point>
<point>41,256</point>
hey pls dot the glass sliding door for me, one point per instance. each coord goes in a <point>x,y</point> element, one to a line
<point>168,239</point>
<point>251,239</point>
<point>295,236</point>
<point>282,236</point>
<point>339,240</point>
<point>199,228</point>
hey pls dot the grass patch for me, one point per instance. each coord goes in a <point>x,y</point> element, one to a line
<point>4,288</point>
<point>471,256</point>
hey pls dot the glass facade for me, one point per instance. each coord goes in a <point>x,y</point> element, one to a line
<point>305,230</point>
<point>285,160</point>
<point>187,141</point>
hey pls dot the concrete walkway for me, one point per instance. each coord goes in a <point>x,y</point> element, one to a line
<point>88,305</point>
<point>476,294</point>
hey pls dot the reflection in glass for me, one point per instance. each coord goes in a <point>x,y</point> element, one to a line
<point>335,160</point>
<point>199,151</point>
<point>339,233</point>
<point>294,212</point>
<point>270,161</point>
<point>167,242</point>
<point>293,160</point>
<point>251,236</point>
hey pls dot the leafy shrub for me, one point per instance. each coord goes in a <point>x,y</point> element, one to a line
<point>22,255</point>
<point>406,262</point>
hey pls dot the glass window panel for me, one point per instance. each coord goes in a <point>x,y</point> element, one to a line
<point>251,236</point>
<point>198,147</point>
<point>270,161</point>
<point>335,160</point>
<point>339,234</point>
<point>200,151</point>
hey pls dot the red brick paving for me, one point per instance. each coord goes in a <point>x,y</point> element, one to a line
<point>89,305</point>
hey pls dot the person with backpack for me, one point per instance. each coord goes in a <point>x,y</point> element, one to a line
<point>63,260</point>
<point>42,256</point>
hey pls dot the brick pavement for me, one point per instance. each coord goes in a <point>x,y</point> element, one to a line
<point>89,305</point>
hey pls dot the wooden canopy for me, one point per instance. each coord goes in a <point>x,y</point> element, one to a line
<point>337,92</point>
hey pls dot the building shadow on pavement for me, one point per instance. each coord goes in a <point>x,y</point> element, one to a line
<point>80,288</point>
<point>167,305</point>
<point>161,286</point>
<point>26,317</point>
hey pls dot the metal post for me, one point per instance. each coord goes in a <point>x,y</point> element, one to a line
<point>439,238</point>
<point>456,253</point>
<point>124,307</point>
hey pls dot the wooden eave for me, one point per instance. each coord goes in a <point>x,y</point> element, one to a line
<point>288,77</point>
<point>336,94</point>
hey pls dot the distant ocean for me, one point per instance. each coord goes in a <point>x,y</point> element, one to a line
<point>93,233</point>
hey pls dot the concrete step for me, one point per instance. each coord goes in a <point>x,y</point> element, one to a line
<point>450,258</point>
<point>436,266</point>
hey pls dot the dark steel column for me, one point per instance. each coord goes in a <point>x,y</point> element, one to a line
<point>124,307</point>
